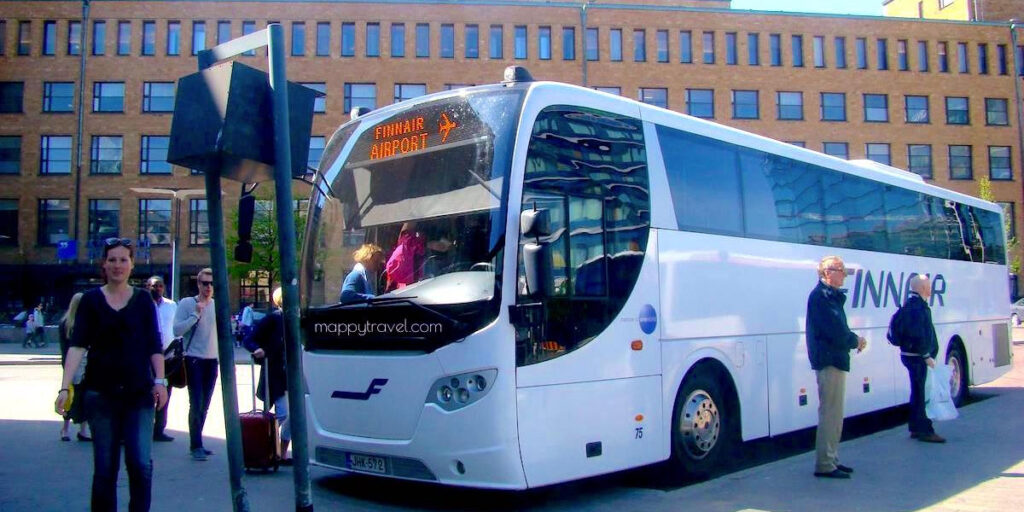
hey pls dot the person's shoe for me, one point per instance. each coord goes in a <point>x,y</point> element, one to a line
<point>931,438</point>
<point>915,435</point>
<point>83,438</point>
<point>286,462</point>
<point>208,452</point>
<point>835,473</point>
<point>844,469</point>
<point>162,438</point>
<point>198,454</point>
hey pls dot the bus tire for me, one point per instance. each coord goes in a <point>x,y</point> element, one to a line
<point>704,423</point>
<point>956,358</point>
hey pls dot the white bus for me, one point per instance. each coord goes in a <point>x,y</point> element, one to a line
<point>599,284</point>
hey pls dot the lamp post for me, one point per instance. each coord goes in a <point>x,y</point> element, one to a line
<point>177,195</point>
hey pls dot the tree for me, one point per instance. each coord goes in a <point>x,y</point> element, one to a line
<point>1012,244</point>
<point>266,259</point>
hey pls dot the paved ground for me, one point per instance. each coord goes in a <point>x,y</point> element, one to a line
<point>980,469</point>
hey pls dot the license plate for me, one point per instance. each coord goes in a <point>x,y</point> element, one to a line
<point>367,463</point>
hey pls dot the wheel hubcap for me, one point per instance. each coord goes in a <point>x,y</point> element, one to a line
<point>954,379</point>
<point>700,424</point>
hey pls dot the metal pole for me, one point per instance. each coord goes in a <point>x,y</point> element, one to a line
<point>225,344</point>
<point>289,272</point>
<point>175,277</point>
<point>583,28</point>
<point>81,115</point>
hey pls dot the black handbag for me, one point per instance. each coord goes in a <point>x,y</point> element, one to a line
<point>174,361</point>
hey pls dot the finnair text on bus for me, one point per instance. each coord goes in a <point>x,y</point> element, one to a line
<point>890,289</point>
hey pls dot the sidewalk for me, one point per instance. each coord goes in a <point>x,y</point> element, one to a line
<point>15,354</point>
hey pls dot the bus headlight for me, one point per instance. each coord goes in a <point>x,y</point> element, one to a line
<point>457,391</point>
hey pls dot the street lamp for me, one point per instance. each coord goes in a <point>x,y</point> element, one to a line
<point>177,195</point>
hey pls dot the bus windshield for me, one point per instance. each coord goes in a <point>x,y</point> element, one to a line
<point>427,184</point>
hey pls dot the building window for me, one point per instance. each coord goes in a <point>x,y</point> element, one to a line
<point>902,59</point>
<point>730,48</point>
<point>797,143</point>
<point>12,96</point>
<point>995,112</point>
<point>917,109</point>
<point>174,37</point>
<point>833,106</point>
<point>919,159</point>
<point>10,154</point>
<point>700,103</point>
<point>153,156</point>
<point>982,59</point>
<point>960,167</point>
<point>348,39</point>
<point>708,39</point>
<point>943,57</point>
<point>999,164</point>
<point>248,27</point>
<point>199,223</point>
<point>963,58</point>
<point>685,47</point>
<point>323,39</point>
<point>158,97</point>
<point>24,37</point>
<point>797,47</point>
<point>610,90</point>
<point>862,53</point>
<point>53,221</point>
<point>99,37</point>
<point>320,102</point>
<point>615,44</point>
<point>882,54</point>
<point>452,87</point>
<point>819,51</point>
<point>753,49</point>
<point>790,105</point>
<point>49,38</point>
<point>837,149</point>
<point>745,105</point>
<point>198,37</point>
<point>398,40</point>
<point>74,38</point>
<point>568,43</point>
<point>316,151</point>
<point>223,31</point>
<point>876,108</point>
<point>922,56</point>
<point>124,38</point>
<point>148,38</point>
<point>639,45</point>
<point>104,219</point>
<point>519,46</point>
<point>422,40</point>
<point>55,154</point>
<point>8,222</point>
<point>775,49</point>
<point>3,37</point>
<point>58,96</point>
<point>373,39</point>
<point>107,154</point>
<point>879,152</point>
<point>360,95</point>
<point>957,110</point>
<point>591,48</point>
<point>448,41</point>
<point>472,41</point>
<point>654,96</point>
<point>661,40</point>
<point>155,221</point>
<point>496,43</point>
<point>409,91</point>
<point>544,43</point>
<point>1010,218</point>
<point>1001,59</point>
<point>108,97</point>
<point>298,38</point>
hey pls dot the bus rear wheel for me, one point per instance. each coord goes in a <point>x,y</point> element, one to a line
<point>703,426</point>
<point>958,387</point>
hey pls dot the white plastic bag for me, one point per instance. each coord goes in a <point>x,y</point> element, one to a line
<point>938,404</point>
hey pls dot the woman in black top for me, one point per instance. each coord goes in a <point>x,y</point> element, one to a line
<point>124,378</point>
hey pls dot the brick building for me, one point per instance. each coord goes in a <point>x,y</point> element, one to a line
<point>937,97</point>
<point>960,10</point>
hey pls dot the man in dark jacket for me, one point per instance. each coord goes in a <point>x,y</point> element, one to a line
<point>266,342</point>
<point>829,341</point>
<point>918,348</point>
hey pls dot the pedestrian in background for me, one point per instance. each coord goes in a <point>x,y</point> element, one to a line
<point>76,411</point>
<point>165,309</point>
<point>196,322</point>
<point>38,331</point>
<point>266,342</point>
<point>245,321</point>
<point>116,324</point>
<point>918,347</point>
<point>829,341</point>
<point>30,331</point>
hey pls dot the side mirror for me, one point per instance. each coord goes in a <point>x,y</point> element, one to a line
<point>534,223</point>
<point>537,271</point>
<point>246,212</point>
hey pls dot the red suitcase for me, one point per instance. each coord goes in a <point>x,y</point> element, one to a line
<point>260,443</point>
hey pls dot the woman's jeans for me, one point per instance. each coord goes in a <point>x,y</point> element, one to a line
<point>202,375</point>
<point>114,418</point>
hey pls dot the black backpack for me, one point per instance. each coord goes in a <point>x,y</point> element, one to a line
<point>895,333</point>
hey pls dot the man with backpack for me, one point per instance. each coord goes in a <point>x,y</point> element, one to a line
<point>912,330</point>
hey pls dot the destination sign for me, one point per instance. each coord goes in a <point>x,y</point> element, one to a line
<point>409,135</point>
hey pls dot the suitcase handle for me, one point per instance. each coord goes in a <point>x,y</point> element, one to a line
<point>265,373</point>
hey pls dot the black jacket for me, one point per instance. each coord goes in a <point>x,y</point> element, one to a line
<point>268,334</point>
<point>917,333</point>
<point>829,339</point>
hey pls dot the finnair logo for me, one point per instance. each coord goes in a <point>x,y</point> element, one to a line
<point>375,387</point>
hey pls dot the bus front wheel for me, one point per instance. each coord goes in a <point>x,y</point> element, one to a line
<point>957,361</point>
<point>703,426</point>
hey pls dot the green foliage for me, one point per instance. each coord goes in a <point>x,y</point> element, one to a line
<point>266,254</point>
<point>1012,244</point>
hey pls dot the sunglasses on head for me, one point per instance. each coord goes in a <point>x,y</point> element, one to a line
<point>115,242</point>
